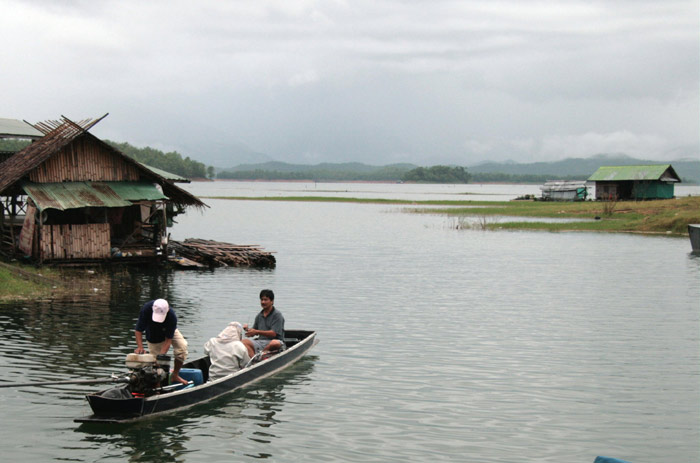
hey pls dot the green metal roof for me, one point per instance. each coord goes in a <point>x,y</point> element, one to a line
<point>621,173</point>
<point>74,195</point>
<point>14,128</point>
<point>167,175</point>
<point>135,191</point>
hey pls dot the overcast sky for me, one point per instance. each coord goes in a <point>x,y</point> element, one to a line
<point>374,81</point>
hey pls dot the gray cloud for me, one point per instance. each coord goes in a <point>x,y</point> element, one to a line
<point>373,81</point>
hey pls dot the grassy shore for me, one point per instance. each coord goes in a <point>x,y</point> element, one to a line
<point>22,282</point>
<point>669,216</point>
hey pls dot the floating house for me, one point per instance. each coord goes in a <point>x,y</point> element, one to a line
<point>634,182</point>
<point>564,190</point>
<point>69,197</point>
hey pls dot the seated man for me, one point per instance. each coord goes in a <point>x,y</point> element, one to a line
<point>268,327</point>
<point>226,352</point>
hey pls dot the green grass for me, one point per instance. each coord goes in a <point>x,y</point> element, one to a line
<point>16,287</point>
<point>670,216</point>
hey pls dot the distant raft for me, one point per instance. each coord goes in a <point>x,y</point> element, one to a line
<point>197,252</point>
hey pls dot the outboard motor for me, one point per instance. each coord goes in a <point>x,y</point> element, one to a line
<point>147,372</point>
<point>163,361</point>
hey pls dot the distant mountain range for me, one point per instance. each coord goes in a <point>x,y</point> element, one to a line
<point>687,169</point>
<point>342,167</point>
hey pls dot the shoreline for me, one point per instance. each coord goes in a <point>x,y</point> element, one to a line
<point>657,217</point>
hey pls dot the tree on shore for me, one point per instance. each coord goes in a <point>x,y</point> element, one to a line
<point>437,174</point>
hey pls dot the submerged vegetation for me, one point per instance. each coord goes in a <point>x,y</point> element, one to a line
<point>668,216</point>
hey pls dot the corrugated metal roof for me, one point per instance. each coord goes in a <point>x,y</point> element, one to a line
<point>10,128</point>
<point>73,195</point>
<point>563,185</point>
<point>650,172</point>
<point>165,174</point>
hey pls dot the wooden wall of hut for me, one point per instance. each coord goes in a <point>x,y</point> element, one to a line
<point>84,160</point>
<point>73,241</point>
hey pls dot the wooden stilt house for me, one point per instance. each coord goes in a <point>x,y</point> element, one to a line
<point>70,197</point>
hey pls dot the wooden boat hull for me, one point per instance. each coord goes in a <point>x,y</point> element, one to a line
<point>118,410</point>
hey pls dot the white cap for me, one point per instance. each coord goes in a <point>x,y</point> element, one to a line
<point>160,310</point>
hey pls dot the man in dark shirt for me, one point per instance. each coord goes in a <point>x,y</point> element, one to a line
<point>268,327</point>
<point>159,322</point>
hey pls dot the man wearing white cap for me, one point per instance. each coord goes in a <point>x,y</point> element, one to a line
<point>159,322</point>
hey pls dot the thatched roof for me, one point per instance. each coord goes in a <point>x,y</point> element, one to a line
<point>57,135</point>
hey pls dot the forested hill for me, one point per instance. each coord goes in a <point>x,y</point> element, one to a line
<point>349,171</point>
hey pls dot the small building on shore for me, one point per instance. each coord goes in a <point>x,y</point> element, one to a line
<point>635,182</point>
<point>70,197</point>
<point>19,133</point>
<point>564,190</point>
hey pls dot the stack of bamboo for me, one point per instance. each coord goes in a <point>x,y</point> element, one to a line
<point>217,254</point>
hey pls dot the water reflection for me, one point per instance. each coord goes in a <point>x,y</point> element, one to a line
<point>157,439</point>
<point>250,413</point>
<point>82,331</point>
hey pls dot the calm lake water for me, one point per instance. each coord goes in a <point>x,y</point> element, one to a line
<point>437,344</point>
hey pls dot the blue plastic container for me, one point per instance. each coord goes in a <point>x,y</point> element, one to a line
<point>192,374</point>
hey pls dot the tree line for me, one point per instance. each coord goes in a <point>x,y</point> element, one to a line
<point>172,161</point>
<point>437,174</point>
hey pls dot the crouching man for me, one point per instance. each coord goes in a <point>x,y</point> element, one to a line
<point>159,322</point>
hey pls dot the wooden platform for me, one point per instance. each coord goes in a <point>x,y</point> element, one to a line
<point>217,254</point>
